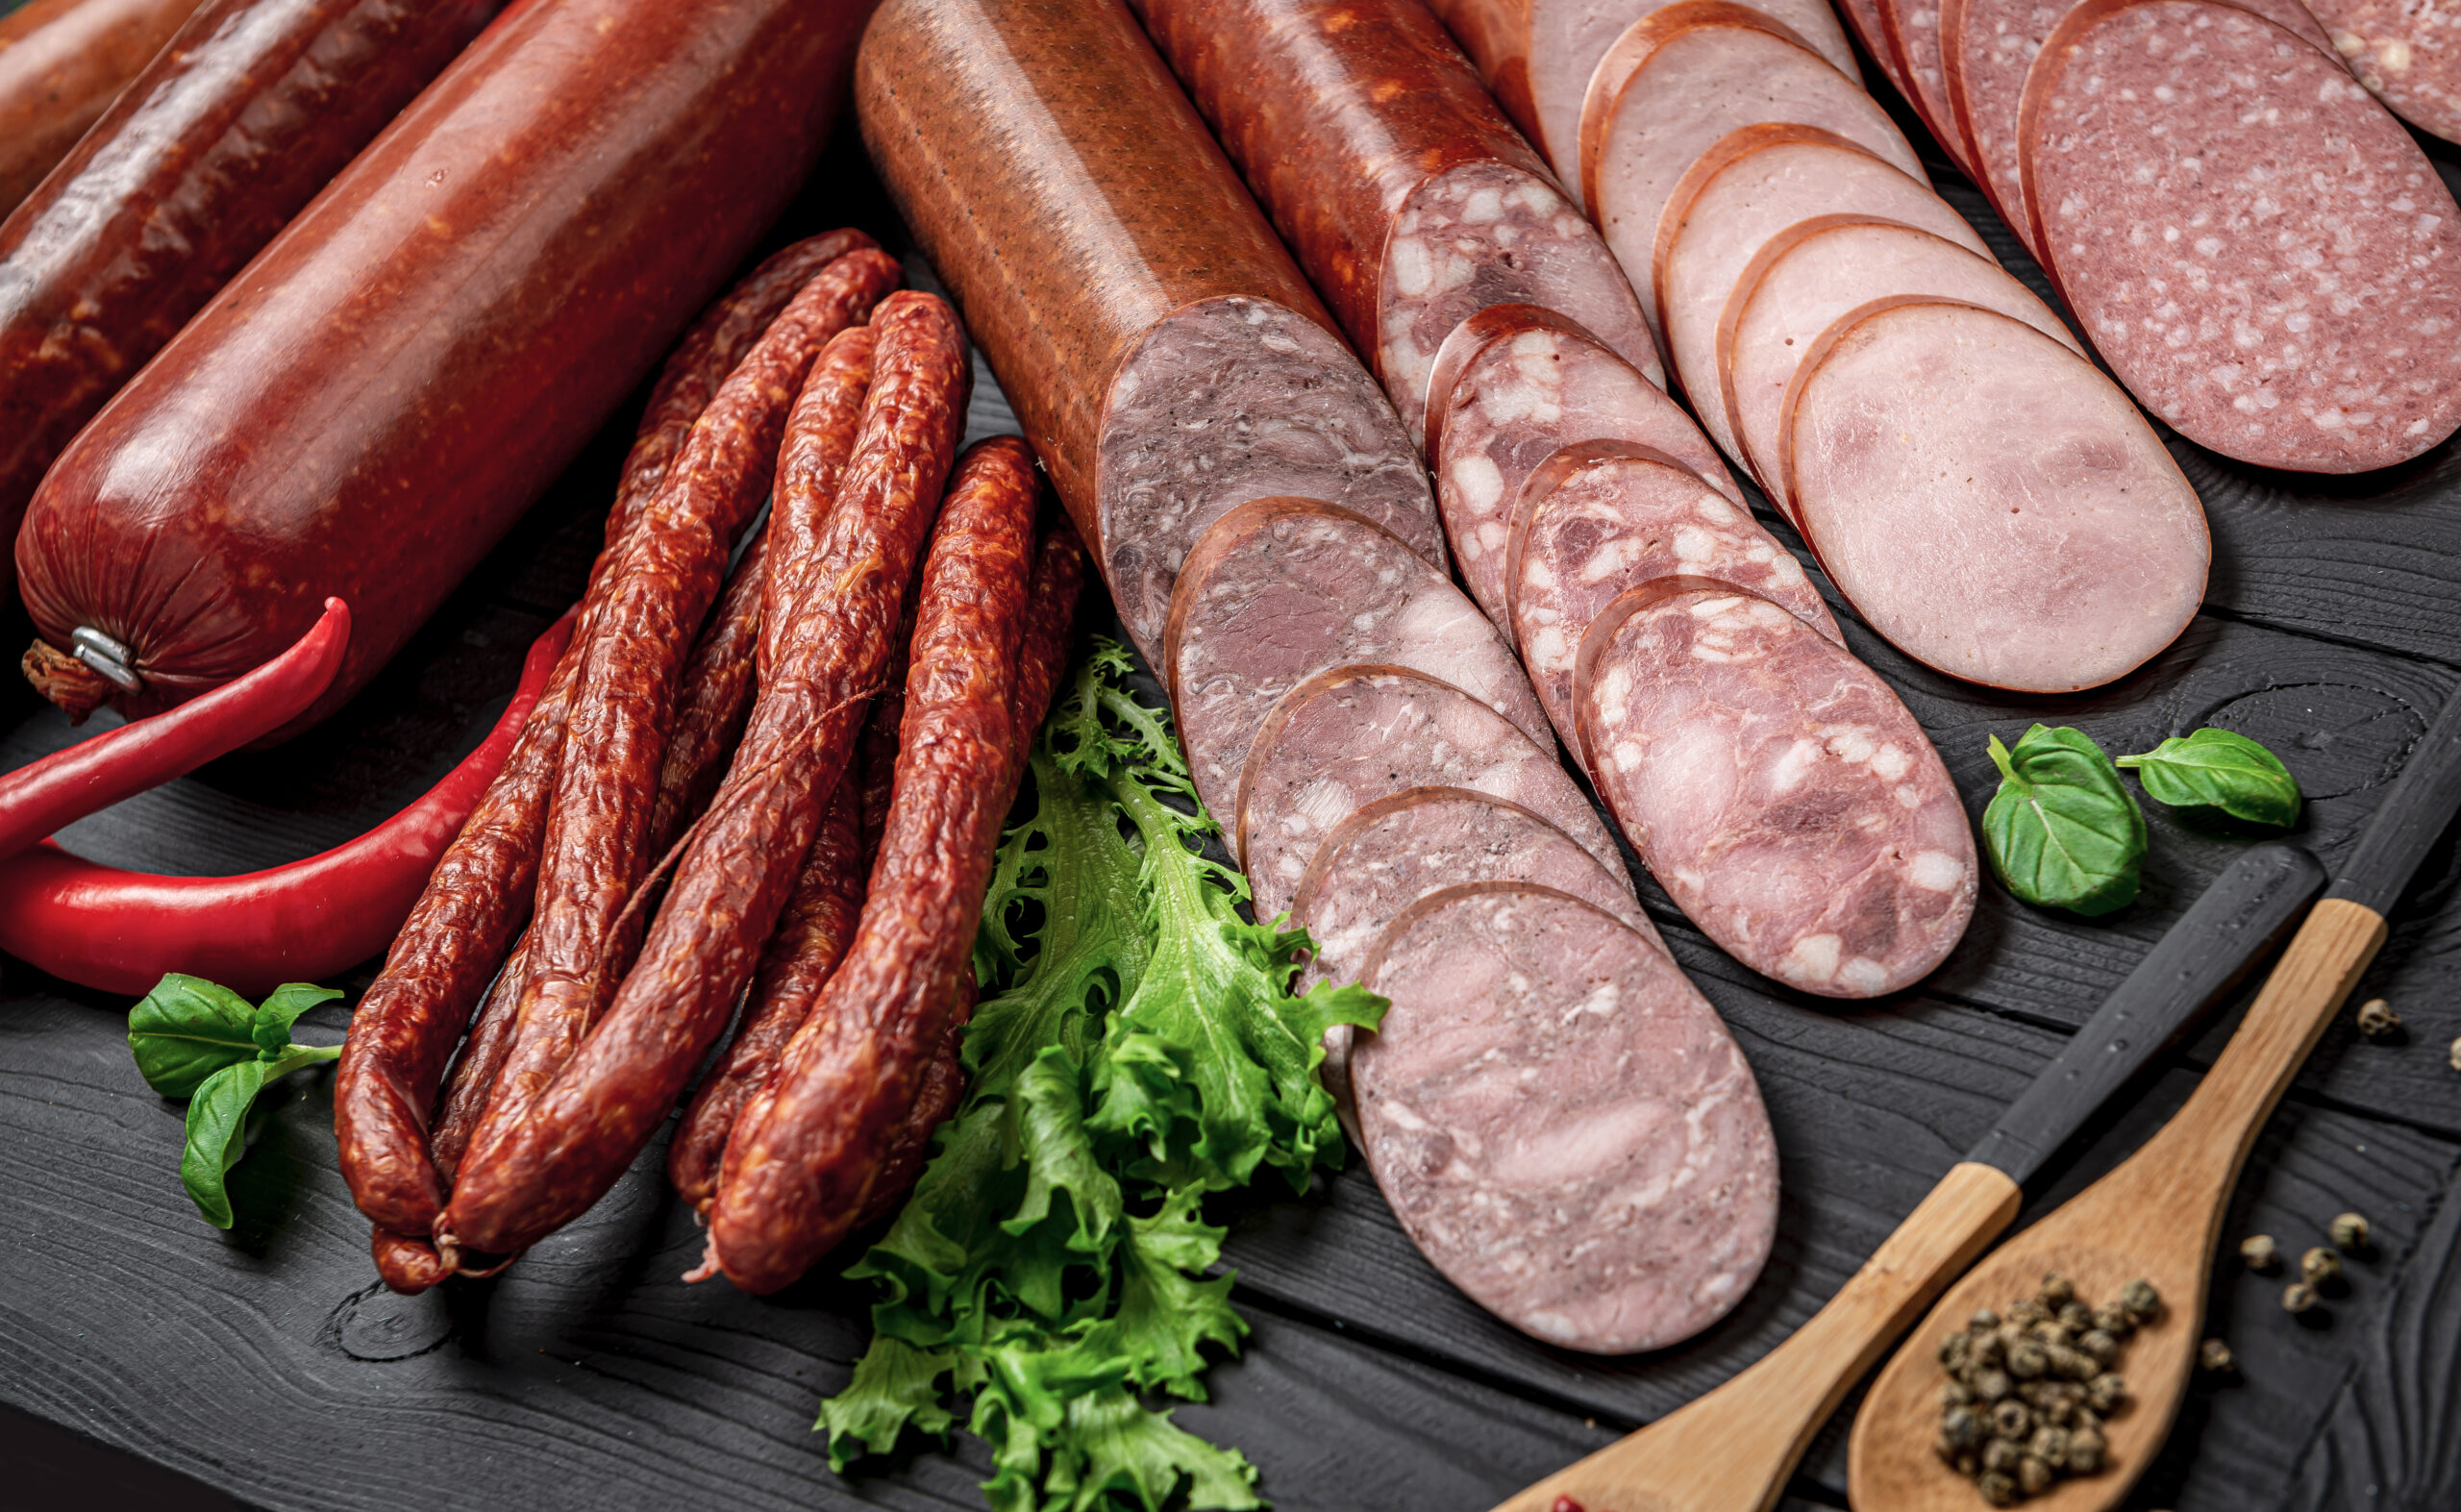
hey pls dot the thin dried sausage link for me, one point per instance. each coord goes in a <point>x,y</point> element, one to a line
<point>539,1160</point>
<point>714,701</point>
<point>802,1161</point>
<point>812,939</point>
<point>820,443</point>
<point>457,935</point>
<point>595,852</point>
<point>408,1266</point>
<point>879,733</point>
<point>474,1072</point>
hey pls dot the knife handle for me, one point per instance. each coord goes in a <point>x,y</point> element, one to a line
<point>2237,921</point>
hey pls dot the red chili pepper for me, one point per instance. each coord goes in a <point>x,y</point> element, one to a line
<point>121,930</point>
<point>50,793</point>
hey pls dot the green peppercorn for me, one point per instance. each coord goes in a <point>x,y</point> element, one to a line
<point>2027,1359</point>
<point>2050,1335</point>
<point>2086,1451</point>
<point>2350,1232</point>
<point>1997,1489</point>
<point>2214,1358</point>
<point>1984,1319</point>
<point>2057,1291</point>
<point>2059,1411</point>
<point>2106,1393</point>
<point>2319,1267</point>
<point>2075,1318</point>
<point>2143,1302</point>
<point>1955,1394</point>
<point>2002,1456</point>
<point>2297,1297</point>
<point>1948,1453</point>
<point>2028,1312</point>
<point>2260,1254</point>
<point>2033,1475</point>
<point>2452,1057</point>
<point>1986,1351</point>
<point>2086,1422</point>
<point>2050,1444</point>
<point>2013,1419</point>
<point>1961,1426</point>
<point>2377,1018</point>
<point>1991,1385</point>
<point>2112,1318</point>
<point>1952,1350</point>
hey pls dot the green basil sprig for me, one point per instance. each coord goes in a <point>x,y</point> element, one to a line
<point>2220,769</point>
<point>195,1040</point>
<point>2063,831</point>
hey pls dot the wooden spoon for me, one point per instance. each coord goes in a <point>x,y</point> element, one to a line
<point>2159,1215</point>
<point>1733,1449</point>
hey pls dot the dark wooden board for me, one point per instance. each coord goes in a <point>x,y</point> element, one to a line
<point>267,1365</point>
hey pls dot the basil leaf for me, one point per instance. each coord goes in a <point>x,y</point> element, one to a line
<point>2220,769</point>
<point>217,1138</point>
<point>187,1029</point>
<point>278,1012</point>
<point>2063,831</point>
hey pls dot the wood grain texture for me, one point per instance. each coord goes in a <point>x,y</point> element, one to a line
<point>267,1364</point>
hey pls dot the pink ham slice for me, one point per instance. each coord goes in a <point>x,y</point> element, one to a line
<point>1986,46</point>
<point>1804,278</point>
<point>2260,252</point>
<point>1987,499</point>
<point>1663,97</point>
<point>1749,187</point>
<point>1604,516</point>
<point>1487,234</point>
<point>1280,589</point>
<point>1513,384</point>
<point>1395,851</point>
<point>1346,737</point>
<point>1561,1122</point>
<point>1775,788</point>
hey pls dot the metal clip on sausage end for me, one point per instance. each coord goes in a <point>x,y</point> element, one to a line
<point>106,656</point>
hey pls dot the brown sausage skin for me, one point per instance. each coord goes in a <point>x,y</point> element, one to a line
<point>1166,359</point>
<point>537,1162</point>
<point>828,417</point>
<point>807,1154</point>
<point>210,151</point>
<point>457,935</point>
<point>365,410</point>
<point>61,64</point>
<point>713,699</point>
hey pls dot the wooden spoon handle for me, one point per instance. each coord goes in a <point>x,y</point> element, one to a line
<point>1733,1449</point>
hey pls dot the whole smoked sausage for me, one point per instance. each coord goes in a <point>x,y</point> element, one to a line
<point>369,406</point>
<point>1164,356</point>
<point>61,64</point>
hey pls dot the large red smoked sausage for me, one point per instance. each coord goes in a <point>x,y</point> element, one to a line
<point>61,64</point>
<point>366,408</point>
<point>1165,358</point>
<point>1404,193</point>
<point>209,152</point>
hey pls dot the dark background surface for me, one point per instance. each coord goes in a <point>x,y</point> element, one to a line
<point>143,1355</point>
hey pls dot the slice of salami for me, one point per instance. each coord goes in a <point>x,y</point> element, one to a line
<point>2406,52</point>
<point>1512,386</point>
<point>2260,252</point>
<point>1776,788</point>
<point>1666,92</point>
<point>1986,46</point>
<point>1812,272</point>
<point>1280,589</point>
<point>1350,737</point>
<point>1606,516</point>
<point>1913,30</point>
<point>1561,1122</point>
<point>1749,187</point>
<point>1987,499</point>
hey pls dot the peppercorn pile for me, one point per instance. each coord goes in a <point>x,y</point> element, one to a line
<point>2028,1393</point>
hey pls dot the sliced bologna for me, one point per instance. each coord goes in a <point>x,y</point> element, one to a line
<point>1986,46</point>
<point>1346,737</point>
<point>1165,357</point>
<point>1561,1122</point>
<point>2260,252</point>
<point>1538,54</point>
<point>1402,189</point>
<point>1748,187</point>
<point>1801,279</point>
<point>2406,52</point>
<point>1280,589</point>
<point>1681,77</point>
<point>1395,851</point>
<point>1603,517</point>
<point>1913,29</point>
<point>1775,788</point>
<point>1987,499</point>
<point>1515,383</point>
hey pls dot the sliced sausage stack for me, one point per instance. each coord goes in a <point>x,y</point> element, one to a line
<point>1270,539</point>
<point>1844,335</point>
<point>2256,248</point>
<point>1569,484</point>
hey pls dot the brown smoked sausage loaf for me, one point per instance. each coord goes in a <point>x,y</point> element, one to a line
<point>61,64</point>
<point>1406,194</point>
<point>1164,356</point>
<point>512,244</point>
<point>210,151</point>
